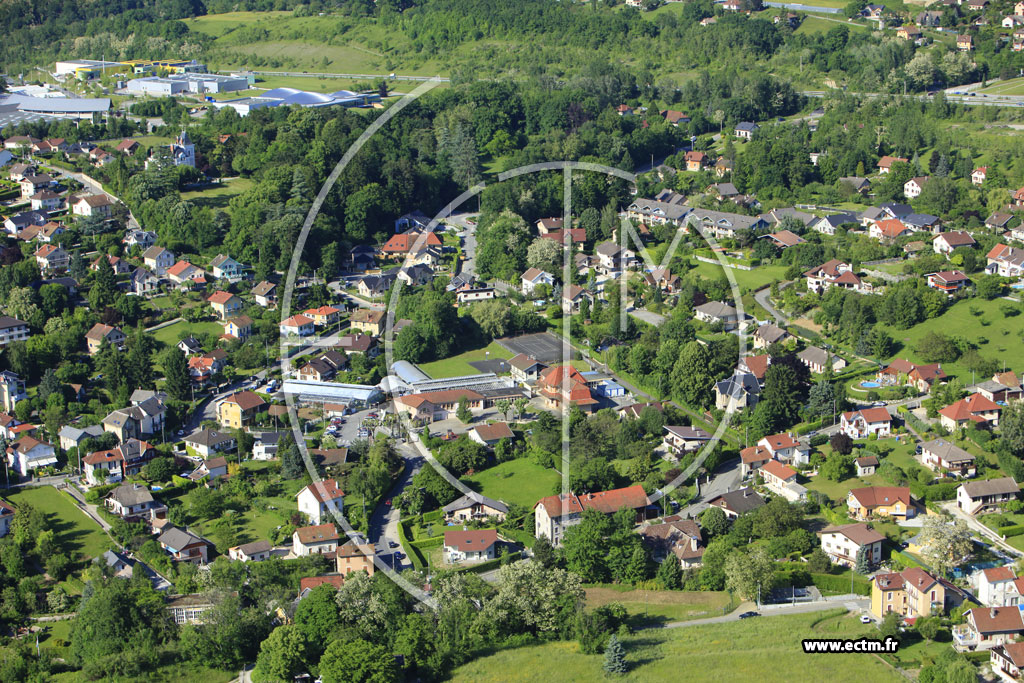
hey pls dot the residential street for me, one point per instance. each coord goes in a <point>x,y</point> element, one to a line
<point>383,528</point>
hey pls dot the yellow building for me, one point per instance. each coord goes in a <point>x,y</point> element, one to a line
<point>370,322</point>
<point>238,409</point>
<point>912,593</point>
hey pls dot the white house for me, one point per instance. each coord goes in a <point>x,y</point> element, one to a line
<point>28,454</point>
<point>912,188</point>
<point>785,448</point>
<point>534,277</point>
<point>315,540</point>
<point>157,260</point>
<point>974,497</point>
<point>257,551</point>
<point>470,545</point>
<point>843,543</point>
<point>998,587</point>
<point>860,424</point>
<point>320,500</point>
<point>946,242</point>
<point>782,480</point>
<point>298,324</point>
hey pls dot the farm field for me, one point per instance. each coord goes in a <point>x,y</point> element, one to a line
<point>770,646</point>
<point>819,24</point>
<point>78,535</point>
<point>996,335</point>
<point>517,481</point>
<point>459,365</point>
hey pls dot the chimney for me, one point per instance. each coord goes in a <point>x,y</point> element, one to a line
<point>746,492</point>
<point>992,612</point>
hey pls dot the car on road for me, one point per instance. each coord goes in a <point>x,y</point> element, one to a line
<point>387,502</point>
<point>181,432</point>
<point>373,416</point>
<point>865,619</point>
<point>399,556</point>
<point>392,544</point>
<point>747,615</point>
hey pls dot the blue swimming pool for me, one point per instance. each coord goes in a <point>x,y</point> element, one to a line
<point>870,384</point>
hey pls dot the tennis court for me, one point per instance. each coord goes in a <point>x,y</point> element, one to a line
<point>543,346</point>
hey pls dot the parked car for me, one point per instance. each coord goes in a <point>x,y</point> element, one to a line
<point>747,615</point>
<point>865,619</point>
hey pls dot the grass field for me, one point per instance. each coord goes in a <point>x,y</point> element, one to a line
<point>459,365</point>
<point>217,197</point>
<point>516,481</point>
<point>172,334</point>
<point>662,606</point>
<point>217,25</point>
<point>747,280</point>
<point>996,335</point>
<point>765,649</point>
<point>78,535</point>
<point>1013,86</point>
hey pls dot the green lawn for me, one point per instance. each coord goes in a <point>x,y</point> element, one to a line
<point>996,335</point>
<point>78,535</point>
<point>459,365</point>
<point>1013,86</point>
<point>747,280</point>
<point>517,481</point>
<point>218,24</point>
<point>217,197</point>
<point>662,606</point>
<point>764,649</point>
<point>172,334</point>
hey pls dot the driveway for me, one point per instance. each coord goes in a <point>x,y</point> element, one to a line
<point>383,527</point>
<point>648,316</point>
<point>762,297</point>
<point>981,529</point>
<point>726,478</point>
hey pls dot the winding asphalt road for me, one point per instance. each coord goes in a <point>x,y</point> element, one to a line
<point>763,298</point>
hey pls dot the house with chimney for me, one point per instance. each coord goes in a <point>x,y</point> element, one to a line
<point>474,506</point>
<point>861,424</point>
<point>1005,261</point>
<point>781,479</point>
<point>738,502</point>
<point>320,539</point>
<point>675,539</point>
<point>999,587</point>
<point>321,500</point>
<point>679,440</point>
<point>470,545</point>
<point>986,628</point>
<point>975,409</point>
<point>913,593</point>
<point>903,372</point>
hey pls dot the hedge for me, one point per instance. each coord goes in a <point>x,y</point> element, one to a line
<point>413,553</point>
<point>841,584</point>
<point>428,543</point>
<point>483,566</point>
<point>807,428</point>
<point>906,559</point>
<point>432,516</point>
<point>1013,530</point>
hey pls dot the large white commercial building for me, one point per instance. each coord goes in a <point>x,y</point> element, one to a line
<point>302,98</point>
<point>189,82</point>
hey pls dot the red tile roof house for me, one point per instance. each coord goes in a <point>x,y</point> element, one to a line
<point>998,587</point>
<point>860,424</point>
<point>226,304</point>
<point>432,406</point>
<point>554,514</point>
<point>988,627</point>
<point>888,230</point>
<point>973,409</point>
<point>782,480</point>
<point>403,243</point>
<point>297,324</point>
<point>315,540</point>
<point>565,383</point>
<point>902,371</point>
<point>843,543</point>
<point>948,281</point>
<point>886,162</point>
<point>1007,660</point>
<point>752,459</point>
<point>320,500</point>
<point>470,545</point>
<point>885,501</point>
<point>1005,261</point>
<point>786,449</point>
<point>946,242</point>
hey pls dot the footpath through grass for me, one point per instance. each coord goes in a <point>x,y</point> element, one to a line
<point>763,649</point>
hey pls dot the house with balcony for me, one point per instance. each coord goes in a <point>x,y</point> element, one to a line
<point>226,267</point>
<point>912,593</point>
<point>679,440</point>
<point>999,587</point>
<point>133,502</point>
<point>844,543</point>
<point>989,627</point>
<point>781,479</point>
<point>1007,660</point>
<point>554,514</point>
<point>225,304</point>
<point>320,539</point>
<point>948,282</point>
<point>860,424</point>
<point>184,546</point>
<point>977,497</point>
<point>320,500</point>
<point>786,449</point>
<point>12,330</point>
<point>942,455</point>
<point>975,409</point>
<point>239,409</point>
<point>470,545</point>
<point>474,506</point>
